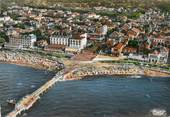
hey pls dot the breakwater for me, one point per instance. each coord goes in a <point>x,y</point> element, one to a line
<point>82,72</point>
<point>114,69</point>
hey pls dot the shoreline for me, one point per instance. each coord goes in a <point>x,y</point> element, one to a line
<point>83,70</point>
<point>124,76</point>
<point>36,61</point>
<point>26,65</point>
<point>103,69</point>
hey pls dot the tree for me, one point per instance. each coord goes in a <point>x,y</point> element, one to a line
<point>2,40</point>
<point>133,43</point>
<point>38,34</point>
<point>135,15</point>
<point>4,36</point>
<point>22,26</point>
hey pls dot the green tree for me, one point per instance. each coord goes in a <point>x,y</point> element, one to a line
<point>164,6</point>
<point>4,36</point>
<point>2,40</point>
<point>134,15</point>
<point>38,34</point>
<point>22,26</point>
<point>133,43</point>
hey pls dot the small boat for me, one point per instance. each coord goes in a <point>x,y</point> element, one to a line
<point>11,101</point>
<point>136,76</point>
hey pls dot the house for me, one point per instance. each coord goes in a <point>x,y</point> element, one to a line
<point>136,30</point>
<point>5,19</point>
<point>1,24</point>
<point>117,50</point>
<point>14,41</point>
<point>137,57</point>
<point>159,40</point>
<point>159,56</point>
<point>99,34</point>
<point>104,29</point>
<point>96,36</point>
<point>129,50</point>
<point>126,27</point>
<point>93,15</point>
<point>133,33</point>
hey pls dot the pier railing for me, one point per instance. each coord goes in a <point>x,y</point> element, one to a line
<point>28,101</point>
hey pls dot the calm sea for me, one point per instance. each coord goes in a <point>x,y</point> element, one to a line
<point>96,97</point>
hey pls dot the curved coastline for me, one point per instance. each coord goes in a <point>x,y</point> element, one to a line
<point>28,60</point>
<point>38,61</point>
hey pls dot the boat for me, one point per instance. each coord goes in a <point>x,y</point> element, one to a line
<point>11,101</point>
<point>136,76</point>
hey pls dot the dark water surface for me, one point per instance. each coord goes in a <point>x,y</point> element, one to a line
<point>101,97</point>
<point>17,81</point>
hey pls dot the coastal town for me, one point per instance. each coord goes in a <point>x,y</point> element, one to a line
<point>143,36</point>
<point>81,42</point>
<point>57,38</point>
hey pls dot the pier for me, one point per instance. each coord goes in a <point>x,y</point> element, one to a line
<point>29,100</point>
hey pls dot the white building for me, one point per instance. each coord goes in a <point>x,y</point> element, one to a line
<point>14,40</point>
<point>78,41</point>
<point>20,42</point>
<point>73,42</point>
<point>60,39</point>
<point>93,15</point>
<point>5,19</point>
<point>28,41</point>
<point>104,30</point>
<point>159,57</point>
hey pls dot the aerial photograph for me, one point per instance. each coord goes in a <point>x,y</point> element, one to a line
<point>84,58</point>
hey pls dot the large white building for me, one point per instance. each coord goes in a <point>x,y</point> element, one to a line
<point>78,41</point>
<point>73,42</point>
<point>60,39</point>
<point>21,41</point>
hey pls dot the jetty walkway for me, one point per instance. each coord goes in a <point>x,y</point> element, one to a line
<point>28,101</point>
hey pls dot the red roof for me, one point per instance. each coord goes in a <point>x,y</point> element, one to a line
<point>119,46</point>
